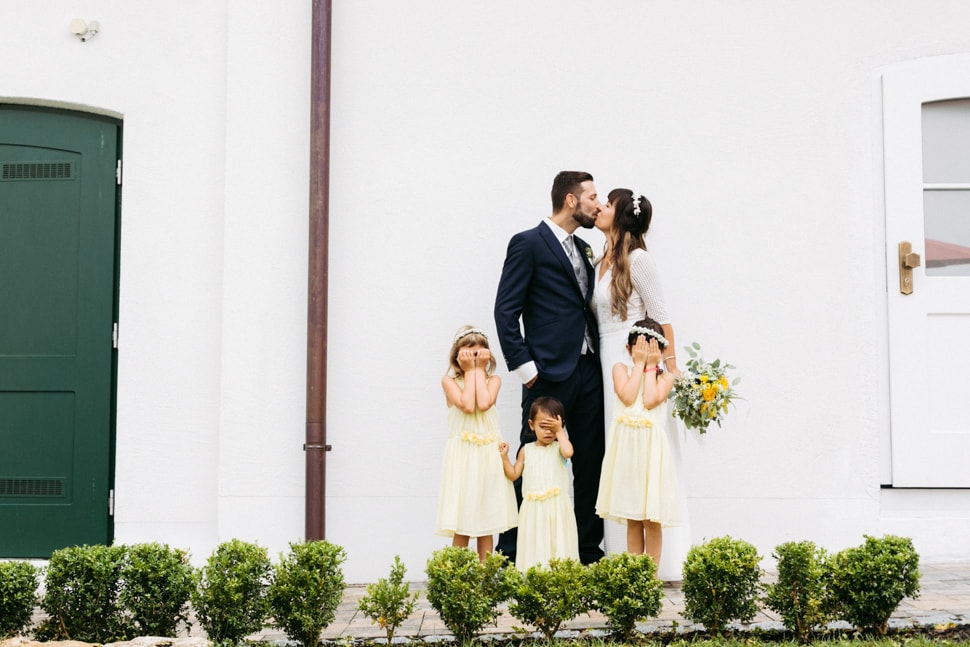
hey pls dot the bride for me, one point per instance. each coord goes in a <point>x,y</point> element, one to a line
<point>628,288</point>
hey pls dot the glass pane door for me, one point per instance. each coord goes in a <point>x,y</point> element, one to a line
<point>946,187</point>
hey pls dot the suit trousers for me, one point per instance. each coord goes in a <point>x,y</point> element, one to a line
<point>581,395</point>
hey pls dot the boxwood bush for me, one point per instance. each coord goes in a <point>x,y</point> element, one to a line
<point>625,589</point>
<point>389,601</point>
<point>869,581</point>
<point>307,587</point>
<point>18,596</point>
<point>83,584</point>
<point>547,596</point>
<point>230,595</point>
<point>157,582</point>
<point>801,596</point>
<point>721,583</point>
<point>466,592</point>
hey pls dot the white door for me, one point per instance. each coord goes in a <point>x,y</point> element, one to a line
<point>926,119</point>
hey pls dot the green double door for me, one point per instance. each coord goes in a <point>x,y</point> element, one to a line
<point>58,277</point>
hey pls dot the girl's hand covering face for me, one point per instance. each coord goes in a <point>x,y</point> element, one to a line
<point>640,350</point>
<point>466,359</point>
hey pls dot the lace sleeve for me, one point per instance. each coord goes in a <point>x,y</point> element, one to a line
<point>646,282</point>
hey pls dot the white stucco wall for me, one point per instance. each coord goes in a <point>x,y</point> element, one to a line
<point>215,102</point>
<point>164,71</point>
<point>754,129</point>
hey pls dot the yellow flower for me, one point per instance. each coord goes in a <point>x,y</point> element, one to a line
<point>709,394</point>
<point>635,422</point>
<point>478,439</point>
<point>704,378</point>
<point>541,496</point>
<point>723,381</point>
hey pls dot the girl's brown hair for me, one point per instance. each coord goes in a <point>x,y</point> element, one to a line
<point>548,405</point>
<point>649,324</point>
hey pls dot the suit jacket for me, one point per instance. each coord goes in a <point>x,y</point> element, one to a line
<point>539,286</point>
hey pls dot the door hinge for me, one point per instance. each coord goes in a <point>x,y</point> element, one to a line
<point>118,173</point>
<point>114,335</point>
<point>111,502</point>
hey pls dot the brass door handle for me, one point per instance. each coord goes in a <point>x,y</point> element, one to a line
<point>908,259</point>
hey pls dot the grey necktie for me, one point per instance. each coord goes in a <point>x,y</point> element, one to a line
<point>578,267</point>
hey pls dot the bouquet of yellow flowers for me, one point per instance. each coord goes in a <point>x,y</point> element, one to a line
<point>701,396</point>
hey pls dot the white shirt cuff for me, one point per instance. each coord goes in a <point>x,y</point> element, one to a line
<point>526,372</point>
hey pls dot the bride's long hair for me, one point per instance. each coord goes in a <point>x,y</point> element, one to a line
<point>629,228</point>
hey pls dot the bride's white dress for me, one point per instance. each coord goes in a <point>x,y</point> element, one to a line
<point>647,298</point>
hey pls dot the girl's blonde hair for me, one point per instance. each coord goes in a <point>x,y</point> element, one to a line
<point>469,336</point>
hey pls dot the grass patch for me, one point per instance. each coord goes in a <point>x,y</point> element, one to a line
<point>928,636</point>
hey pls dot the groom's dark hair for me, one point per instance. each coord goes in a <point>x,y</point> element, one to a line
<point>567,182</point>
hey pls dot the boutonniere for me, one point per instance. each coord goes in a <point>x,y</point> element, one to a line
<point>590,255</point>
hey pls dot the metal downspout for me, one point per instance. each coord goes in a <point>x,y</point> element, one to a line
<point>316,446</point>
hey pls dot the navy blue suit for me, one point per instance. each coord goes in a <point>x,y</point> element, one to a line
<point>539,287</point>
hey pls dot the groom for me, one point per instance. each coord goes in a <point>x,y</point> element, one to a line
<point>547,282</point>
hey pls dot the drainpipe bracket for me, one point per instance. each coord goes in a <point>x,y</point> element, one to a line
<point>325,448</point>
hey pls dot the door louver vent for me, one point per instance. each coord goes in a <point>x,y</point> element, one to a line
<point>37,171</point>
<point>31,487</point>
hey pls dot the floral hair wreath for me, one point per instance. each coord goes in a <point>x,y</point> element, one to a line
<point>470,331</point>
<point>640,330</point>
<point>636,203</point>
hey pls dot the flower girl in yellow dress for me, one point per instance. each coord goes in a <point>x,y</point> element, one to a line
<point>637,483</point>
<point>476,499</point>
<point>547,523</point>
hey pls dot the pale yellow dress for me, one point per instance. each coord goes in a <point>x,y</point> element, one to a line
<point>647,298</point>
<point>476,498</point>
<point>547,523</point>
<point>638,479</point>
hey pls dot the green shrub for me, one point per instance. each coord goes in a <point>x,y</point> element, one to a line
<point>18,596</point>
<point>869,581</point>
<point>83,584</point>
<point>800,595</point>
<point>721,583</point>
<point>307,588</point>
<point>230,594</point>
<point>625,589</point>
<point>465,591</point>
<point>547,596</point>
<point>389,601</point>
<point>158,582</point>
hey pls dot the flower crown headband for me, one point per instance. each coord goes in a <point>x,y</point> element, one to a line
<point>636,203</point>
<point>640,330</point>
<point>470,331</point>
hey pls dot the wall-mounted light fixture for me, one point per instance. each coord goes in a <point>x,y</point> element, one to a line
<point>85,31</point>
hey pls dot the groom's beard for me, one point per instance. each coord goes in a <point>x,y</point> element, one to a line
<point>585,220</point>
